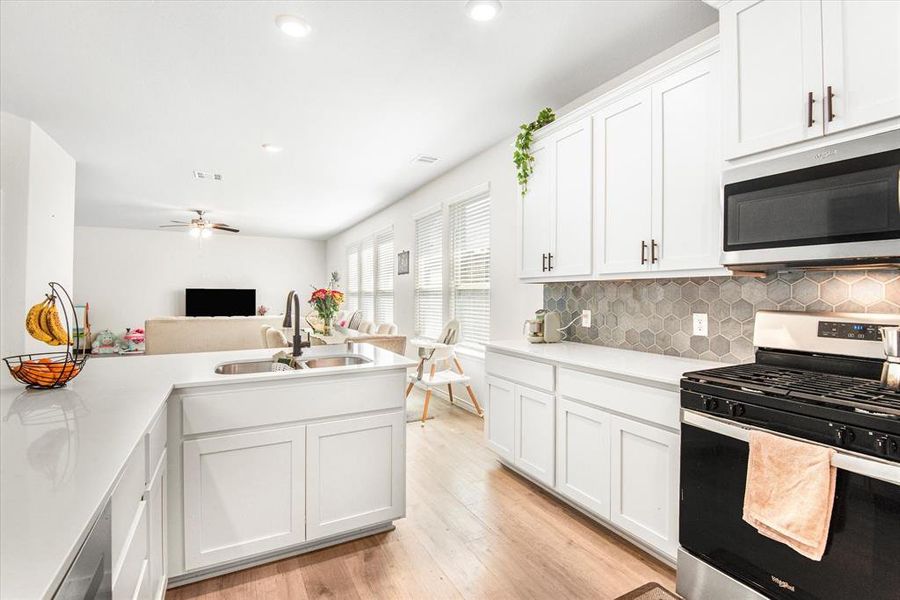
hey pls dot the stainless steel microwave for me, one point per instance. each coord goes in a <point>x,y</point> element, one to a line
<point>838,213</point>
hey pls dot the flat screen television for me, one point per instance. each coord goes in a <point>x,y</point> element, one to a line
<point>210,302</point>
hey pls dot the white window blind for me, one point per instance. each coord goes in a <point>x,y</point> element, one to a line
<point>384,277</point>
<point>370,277</point>
<point>470,269</point>
<point>351,298</point>
<point>429,291</point>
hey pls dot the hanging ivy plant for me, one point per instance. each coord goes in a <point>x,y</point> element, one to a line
<point>522,156</point>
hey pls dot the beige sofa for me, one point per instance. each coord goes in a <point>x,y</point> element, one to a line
<point>172,335</point>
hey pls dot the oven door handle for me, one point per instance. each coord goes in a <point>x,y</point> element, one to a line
<point>855,463</point>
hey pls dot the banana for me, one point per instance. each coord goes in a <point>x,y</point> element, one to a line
<point>33,323</point>
<point>53,326</point>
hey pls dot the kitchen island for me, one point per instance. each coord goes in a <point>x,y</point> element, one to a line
<point>121,424</point>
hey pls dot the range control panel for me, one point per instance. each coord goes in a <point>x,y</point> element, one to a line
<point>867,332</point>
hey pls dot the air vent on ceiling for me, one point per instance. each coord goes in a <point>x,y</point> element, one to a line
<point>207,175</point>
<point>424,159</point>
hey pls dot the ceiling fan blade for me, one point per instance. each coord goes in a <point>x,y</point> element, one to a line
<point>180,222</point>
<point>184,225</point>
<point>224,227</point>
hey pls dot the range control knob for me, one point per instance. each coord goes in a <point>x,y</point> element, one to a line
<point>843,435</point>
<point>881,444</point>
<point>710,403</point>
<point>736,410</point>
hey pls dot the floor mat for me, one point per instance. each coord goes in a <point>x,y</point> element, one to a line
<point>649,591</point>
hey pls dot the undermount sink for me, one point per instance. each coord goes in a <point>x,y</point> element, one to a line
<point>247,366</point>
<point>332,361</point>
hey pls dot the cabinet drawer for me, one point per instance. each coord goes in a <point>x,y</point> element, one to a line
<point>125,499</point>
<point>134,558</point>
<point>632,399</point>
<point>531,373</point>
<point>252,405</point>
<point>156,443</point>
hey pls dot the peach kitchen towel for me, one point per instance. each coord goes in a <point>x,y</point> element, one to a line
<point>790,492</point>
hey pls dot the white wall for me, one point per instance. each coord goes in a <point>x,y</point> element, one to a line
<point>37,218</point>
<point>129,275</point>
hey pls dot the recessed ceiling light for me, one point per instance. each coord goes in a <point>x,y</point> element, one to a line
<point>273,148</point>
<point>483,10</point>
<point>423,159</point>
<point>293,26</point>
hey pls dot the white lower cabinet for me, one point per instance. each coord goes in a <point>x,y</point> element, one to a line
<point>243,494</point>
<point>582,455</point>
<point>500,417</point>
<point>157,493</point>
<point>535,433</point>
<point>644,492</point>
<point>355,473</point>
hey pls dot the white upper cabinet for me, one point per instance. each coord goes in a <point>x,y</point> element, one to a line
<point>556,212</point>
<point>687,218</point>
<point>773,61</point>
<point>799,69</point>
<point>861,62</point>
<point>535,212</point>
<point>622,173</point>
<point>572,234</point>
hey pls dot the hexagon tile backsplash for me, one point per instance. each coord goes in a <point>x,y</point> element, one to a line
<point>654,315</point>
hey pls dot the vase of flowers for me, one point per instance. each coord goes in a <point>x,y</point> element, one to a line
<point>326,302</point>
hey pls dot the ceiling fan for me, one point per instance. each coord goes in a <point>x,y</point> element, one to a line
<point>200,227</point>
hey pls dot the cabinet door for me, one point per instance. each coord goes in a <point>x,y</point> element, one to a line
<point>686,177</point>
<point>535,212</point>
<point>645,483</point>
<point>243,494</point>
<point>772,60</point>
<point>355,474</point>
<point>157,525</point>
<point>861,48</point>
<point>572,231</point>
<point>582,455</point>
<point>535,431</point>
<point>500,417</point>
<point>622,184</point>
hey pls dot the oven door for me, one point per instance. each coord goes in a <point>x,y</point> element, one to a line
<point>862,559</point>
<point>840,213</point>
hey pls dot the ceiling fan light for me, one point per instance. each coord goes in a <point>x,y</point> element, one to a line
<point>205,232</point>
<point>293,26</point>
<point>483,10</point>
<point>194,232</point>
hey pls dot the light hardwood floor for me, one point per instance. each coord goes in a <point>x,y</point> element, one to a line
<point>474,529</point>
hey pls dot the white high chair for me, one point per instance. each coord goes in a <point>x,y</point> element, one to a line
<point>440,351</point>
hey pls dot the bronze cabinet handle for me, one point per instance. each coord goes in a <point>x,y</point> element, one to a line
<point>809,109</point>
<point>643,252</point>
<point>544,263</point>
<point>830,98</point>
<point>549,261</point>
<point>653,247</point>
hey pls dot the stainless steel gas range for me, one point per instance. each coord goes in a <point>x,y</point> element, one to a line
<point>816,378</point>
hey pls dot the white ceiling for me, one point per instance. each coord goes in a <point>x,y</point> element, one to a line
<point>143,93</point>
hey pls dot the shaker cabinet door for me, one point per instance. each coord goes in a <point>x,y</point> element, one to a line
<point>772,62</point>
<point>536,213</point>
<point>535,448</point>
<point>500,417</point>
<point>622,173</point>
<point>582,455</point>
<point>243,494</point>
<point>355,474</point>
<point>644,491</point>
<point>861,62</point>
<point>571,246</point>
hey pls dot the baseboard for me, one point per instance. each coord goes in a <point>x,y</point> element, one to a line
<point>261,559</point>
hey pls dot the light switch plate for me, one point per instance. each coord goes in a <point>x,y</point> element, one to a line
<point>700,324</point>
<point>585,318</point>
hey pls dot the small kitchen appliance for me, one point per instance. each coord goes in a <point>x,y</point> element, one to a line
<point>817,379</point>
<point>543,328</point>
<point>890,372</point>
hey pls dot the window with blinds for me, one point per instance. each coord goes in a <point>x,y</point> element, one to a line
<point>469,287</point>
<point>370,277</point>
<point>429,277</point>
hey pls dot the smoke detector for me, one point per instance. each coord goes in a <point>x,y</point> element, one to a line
<point>423,159</point>
<point>207,175</point>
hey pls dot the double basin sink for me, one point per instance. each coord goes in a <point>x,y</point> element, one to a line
<point>268,365</point>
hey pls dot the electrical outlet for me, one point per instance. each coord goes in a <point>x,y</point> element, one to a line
<point>585,318</point>
<point>700,324</point>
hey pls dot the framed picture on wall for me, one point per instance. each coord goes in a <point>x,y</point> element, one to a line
<point>403,263</point>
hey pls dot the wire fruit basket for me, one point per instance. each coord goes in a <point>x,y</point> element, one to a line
<point>48,370</point>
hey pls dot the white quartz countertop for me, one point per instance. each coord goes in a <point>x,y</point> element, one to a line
<point>61,450</point>
<point>658,369</point>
